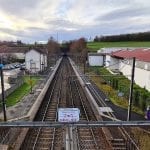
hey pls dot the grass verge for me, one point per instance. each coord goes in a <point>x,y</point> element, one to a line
<point>112,93</point>
<point>24,89</point>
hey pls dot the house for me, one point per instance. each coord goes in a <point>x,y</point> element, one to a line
<point>96,59</point>
<point>36,60</point>
<point>122,61</point>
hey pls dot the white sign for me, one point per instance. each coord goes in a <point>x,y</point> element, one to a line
<point>105,109</point>
<point>68,114</point>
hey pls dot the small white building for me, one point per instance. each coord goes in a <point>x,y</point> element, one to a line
<point>96,59</point>
<point>36,60</point>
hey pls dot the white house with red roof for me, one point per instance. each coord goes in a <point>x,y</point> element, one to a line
<point>121,61</point>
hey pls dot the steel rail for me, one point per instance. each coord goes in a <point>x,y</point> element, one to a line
<point>44,114</point>
<point>71,98</point>
<point>101,101</point>
<point>72,103</point>
<point>59,96</point>
<point>86,114</point>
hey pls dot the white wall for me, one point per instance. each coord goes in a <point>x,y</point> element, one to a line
<point>107,61</point>
<point>112,63</point>
<point>95,60</point>
<point>142,77</point>
<point>45,58</point>
<point>35,57</point>
<point>43,61</point>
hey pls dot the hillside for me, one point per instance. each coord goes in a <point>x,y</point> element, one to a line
<point>94,46</point>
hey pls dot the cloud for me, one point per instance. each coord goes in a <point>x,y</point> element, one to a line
<point>33,20</point>
<point>124,13</point>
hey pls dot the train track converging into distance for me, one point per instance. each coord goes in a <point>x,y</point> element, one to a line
<point>66,91</point>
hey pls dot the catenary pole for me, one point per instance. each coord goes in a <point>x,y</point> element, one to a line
<point>131,91</point>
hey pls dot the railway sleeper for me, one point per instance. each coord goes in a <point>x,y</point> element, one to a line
<point>118,144</point>
<point>88,146</point>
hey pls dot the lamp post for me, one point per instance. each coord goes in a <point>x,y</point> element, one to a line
<point>3,92</point>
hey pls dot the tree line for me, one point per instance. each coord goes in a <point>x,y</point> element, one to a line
<point>141,36</point>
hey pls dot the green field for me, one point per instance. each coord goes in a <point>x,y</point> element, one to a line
<point>94,46</point>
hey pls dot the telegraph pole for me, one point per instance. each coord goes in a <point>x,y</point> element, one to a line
<point>3,91</point>
<point>31,91</point>
<point>131,91</point>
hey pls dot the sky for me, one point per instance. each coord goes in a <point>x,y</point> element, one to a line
<point>38,20</point>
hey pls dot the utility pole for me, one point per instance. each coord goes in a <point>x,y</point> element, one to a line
<point>3,90</point>
<point>31,91</point>
<point>131,91</point>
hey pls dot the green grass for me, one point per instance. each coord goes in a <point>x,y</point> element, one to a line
<point>123,86</point>
<point>97,45</point>
<point>24,89</point>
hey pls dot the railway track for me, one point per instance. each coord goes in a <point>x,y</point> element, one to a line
<point>48,138</point>
<point>86,138</point>
<point>58,97</point>
<point>65,91</point>
<point>121,139</point>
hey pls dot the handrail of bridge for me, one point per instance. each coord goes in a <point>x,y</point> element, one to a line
<point>26,124</point>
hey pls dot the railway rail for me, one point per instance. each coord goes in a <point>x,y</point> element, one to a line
<point>46,138</point>
<point>121,139</point>
<point>56,138</point>
<point>65,91</point>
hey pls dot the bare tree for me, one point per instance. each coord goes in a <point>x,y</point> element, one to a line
<point>52,46</point>
<point>78,45</point>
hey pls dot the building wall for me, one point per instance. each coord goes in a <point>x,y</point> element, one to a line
<point>43,62</point>
<point>112,63</point>
<point>107,61</point>
<point>32,61</point>
<point>35,61</point>
<point>142,76</point>
<point>45,58</point>
<point>95,60</point>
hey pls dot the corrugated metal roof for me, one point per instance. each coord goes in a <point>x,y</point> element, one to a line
<point>140,54</point>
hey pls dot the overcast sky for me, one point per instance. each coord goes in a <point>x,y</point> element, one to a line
<point>37,20</point>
